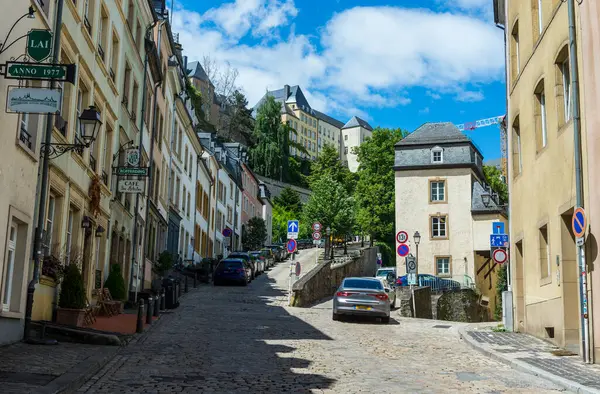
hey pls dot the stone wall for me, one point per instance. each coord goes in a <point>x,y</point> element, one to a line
<point>422,302</point>
<point>275,187</point>
<point>323,280</point>
<point>462,306</point>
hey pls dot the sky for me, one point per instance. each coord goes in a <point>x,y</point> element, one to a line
<point>393,63</point>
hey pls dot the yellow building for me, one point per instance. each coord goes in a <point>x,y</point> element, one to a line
<point>541,172</point>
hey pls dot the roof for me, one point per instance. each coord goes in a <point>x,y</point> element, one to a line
<point>195,70</point>
<point>477,204</point>
<point>357,122</point>
<point>434,133</point>
<point>328,119</point>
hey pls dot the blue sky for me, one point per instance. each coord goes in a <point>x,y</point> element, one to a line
<point>395,63</point>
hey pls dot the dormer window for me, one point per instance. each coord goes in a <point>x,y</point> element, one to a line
<point>437,155</point>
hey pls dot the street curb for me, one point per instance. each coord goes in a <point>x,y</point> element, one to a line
<point>525,367</point>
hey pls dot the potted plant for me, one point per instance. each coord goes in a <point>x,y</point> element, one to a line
<point>115,283</point>
<point>72,301</point>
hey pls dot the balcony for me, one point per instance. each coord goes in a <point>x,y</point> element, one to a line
<point>105,177</point>
<point>101,52</point>
<point>25,137</point>
<point>87,25</point>
<point>61,125</point>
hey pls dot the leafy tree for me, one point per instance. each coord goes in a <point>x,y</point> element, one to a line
<point>494,178</point>
<point>289,199</point>
<point>197,101</point>
<point>375,194</point>
<point>501,286</point>
<point>255,234</point>
<point>329,163</point>
<point>330,205</point>
<point>280,218</point>
<point>72,292</point>
<point>163,264</point>
<point>116,283</point>
<point>240,121</point>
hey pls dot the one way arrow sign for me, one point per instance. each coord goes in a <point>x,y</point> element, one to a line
<point>293,228</point>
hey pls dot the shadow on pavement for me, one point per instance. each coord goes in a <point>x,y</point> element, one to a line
<point>218,341</point>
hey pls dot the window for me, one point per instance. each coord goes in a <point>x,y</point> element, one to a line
<point>540,16</point>
<point>442,266</point>
<point>10,266</point>
<point>189,198</point>
<point>107,156</point>
<point>437,191</point>
<point>516,148</point>
<point>130,15</point>
<point>103,34</point>
<point>566,79</point>
<point>134,100</point>
<point>88,16</point>
<point>346,137</point>
<point>114,58</point>
<point>540,117</point>
<point>69,239</point>
<point>544,252</point>
<point>439,226</point>
<point>515,60</point>
<point>185,162</point>
<point>126,84</point>
<point>437,155</point>
<point>184,195</point>
<point>50,221</point>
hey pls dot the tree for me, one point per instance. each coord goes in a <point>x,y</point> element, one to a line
<point>494,178</point>
<point>239,123</point>
<point>116,283</point>
<point>289,200</point>
<point>330,205</point>
<point>375,190</point>
<point>255,234</point>
<point>329,163</point>
<point>280,219</point>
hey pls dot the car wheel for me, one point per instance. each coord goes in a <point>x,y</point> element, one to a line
<point>385,320</point>
<point>335,317</point>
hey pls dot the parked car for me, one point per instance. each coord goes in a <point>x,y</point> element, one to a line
<point>246,257</point>
<point>436,283</point>
<point>277,253</point>
<point>284,251</point>
<point>269,256</point>
<point>362,296</point>
<point>260,258</point>
<point>232,270</point>
<point>383,272</point>
<point>389,284</point>
<point>260,264</point>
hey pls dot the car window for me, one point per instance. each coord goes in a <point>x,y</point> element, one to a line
<point>239,256</point>
<point>363,284</point>
<point>230,264</point>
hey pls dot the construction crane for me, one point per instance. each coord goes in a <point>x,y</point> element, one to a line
<point>496,120</point>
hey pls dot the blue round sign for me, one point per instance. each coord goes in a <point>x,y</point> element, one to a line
<point>291,246</point>
<point>227,232</point>
<point>403,250</point>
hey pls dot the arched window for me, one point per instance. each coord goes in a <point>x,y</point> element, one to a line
<point>563,86</point>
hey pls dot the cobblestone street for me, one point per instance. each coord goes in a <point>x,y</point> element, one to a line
<point>236,339</point>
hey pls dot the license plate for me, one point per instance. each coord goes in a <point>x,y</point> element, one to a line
<point>363,308</point>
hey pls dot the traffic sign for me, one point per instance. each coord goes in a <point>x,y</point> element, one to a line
<point>227,232</point>
<point>291,246</point>
<point>139,171</point>
<point>316,227</point>
<point>293,228</point>
<point>500,255</point>
<point>411,265</point>
<point>39,44</point>
<point>38,71</point>
<point>499,240</point>
<point>298,268</point>
<point>402,236</point>
<point>498,228</point>
<point>316,235</point>
<point>379,259</point>
<point>411,278</point>
<point>403,250</point>
<point>579,222</point>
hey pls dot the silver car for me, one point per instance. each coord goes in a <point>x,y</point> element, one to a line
<point>362,296</point>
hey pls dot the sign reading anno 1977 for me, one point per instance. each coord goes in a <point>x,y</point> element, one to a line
<point>39,44</point>
<point>33,100</point>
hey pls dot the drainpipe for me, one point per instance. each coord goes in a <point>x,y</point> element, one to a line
<point>196,204</point>
<point>216,207</point>
<point>209,209</point>
<point>583,302</point>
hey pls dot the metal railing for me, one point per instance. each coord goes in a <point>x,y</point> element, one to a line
<point>61,124</point>
<point>105,177</point>
<point>25,138</point>
<point>93,163</point>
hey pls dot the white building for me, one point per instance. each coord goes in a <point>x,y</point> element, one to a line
<point>354,133</point>
<point>439,189</point>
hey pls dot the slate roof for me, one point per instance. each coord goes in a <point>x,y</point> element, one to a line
<point>477,201</point>
<point>434,133</point>
<point>357,122</point>
<point>295,96</point>
<point>195,70</point>
<point>328,119</point>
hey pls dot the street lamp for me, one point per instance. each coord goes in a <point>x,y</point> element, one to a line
<point>485,198</point>
<point>89,123</point>
<point>328,232</point>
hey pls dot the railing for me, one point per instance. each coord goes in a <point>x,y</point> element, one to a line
<point>25,137</point>
<point>105,177</point>
<point>93,162</point>
<point>61,124</point>
<point>444,284</point>
<point>87,25</point>
<point>101,52</point>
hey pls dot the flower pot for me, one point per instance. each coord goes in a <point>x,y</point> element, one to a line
<point>70,317</point>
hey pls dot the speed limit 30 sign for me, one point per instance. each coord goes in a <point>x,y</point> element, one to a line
<point>402,237</point>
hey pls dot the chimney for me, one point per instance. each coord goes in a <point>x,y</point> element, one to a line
<point>286,91</point>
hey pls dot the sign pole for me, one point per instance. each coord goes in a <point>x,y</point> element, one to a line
<point>37,250</point>
<point>414,304</point>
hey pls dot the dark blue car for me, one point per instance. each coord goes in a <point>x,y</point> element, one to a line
<point>232,271</point>
<point>436,283</point>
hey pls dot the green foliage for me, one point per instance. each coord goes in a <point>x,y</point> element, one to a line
<point>115,283</point>
<point>280,219</point>
<point>331,205</point>
<point>375,190</point>
<point>289,200</point>
<point>501,285</point>
<point>72,291</point>
<point>329,164</point>
<point>387,254</point>
<point>241,121</point>
<point>195,98</point>
<point>163,264</point>
<point>255,234</point>
<point>494,178</point>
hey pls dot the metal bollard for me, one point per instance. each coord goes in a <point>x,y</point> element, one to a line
<point>156,305</point>
<point>162,300</point>
<point>139,326</point>
<point>186,284</point>
<point>149,311</point>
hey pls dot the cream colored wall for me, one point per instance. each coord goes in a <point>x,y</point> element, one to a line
<point>545,188</point>
<point>355,137</point>
<point>413,211</point>
<point>482,228</point>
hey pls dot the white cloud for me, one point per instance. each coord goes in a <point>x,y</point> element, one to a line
<point>370,56</point>
<point>469,96</point>
<point>433,95</point>
<point>424,111</point>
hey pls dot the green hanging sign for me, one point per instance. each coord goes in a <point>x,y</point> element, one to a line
<point>39,44</point>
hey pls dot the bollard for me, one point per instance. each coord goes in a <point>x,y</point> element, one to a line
<point>139,327</point>
<point>156,305</point>
<point>195,276</point>
<point>149,311</point>
<point>186,284</point>
<point>162,300</point>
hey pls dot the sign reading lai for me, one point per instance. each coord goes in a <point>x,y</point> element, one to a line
<point>39,44</point>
